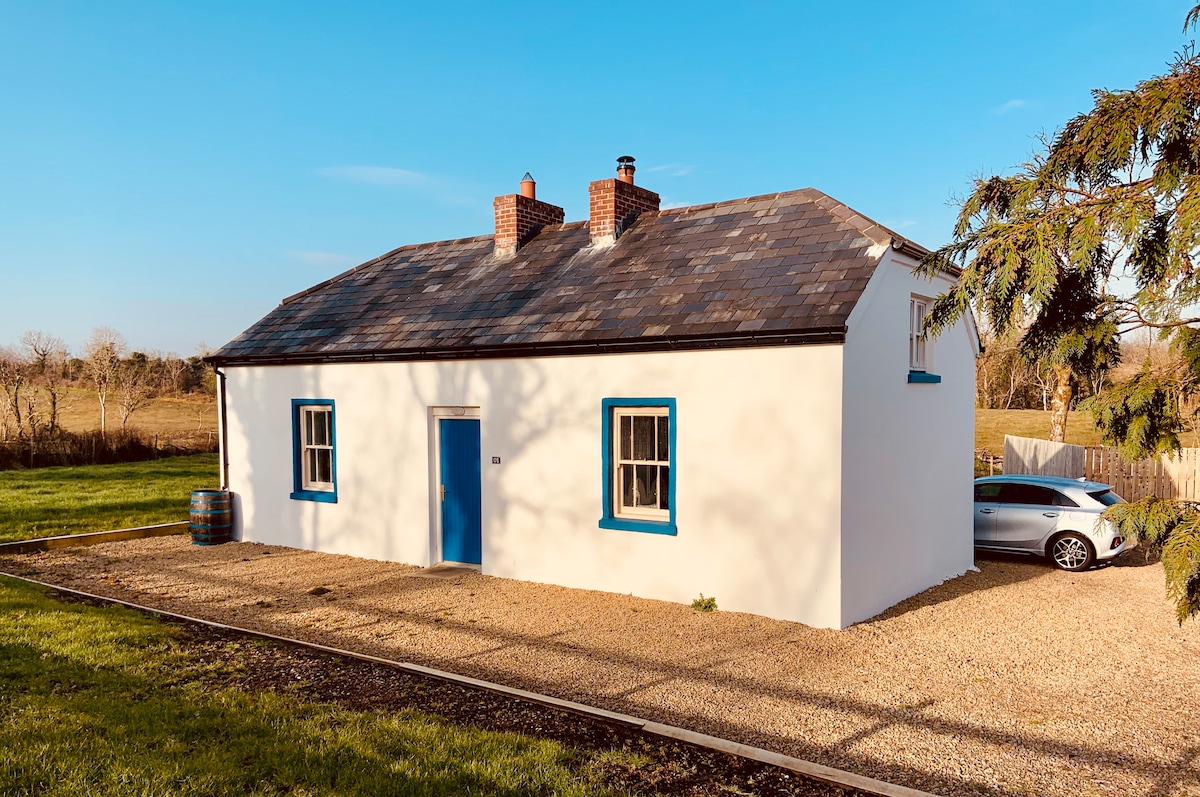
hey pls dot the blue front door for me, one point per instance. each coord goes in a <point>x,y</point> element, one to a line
<point>460,490</point>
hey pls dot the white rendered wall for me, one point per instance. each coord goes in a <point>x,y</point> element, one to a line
<point>908,455</point>
<point>758,470</point>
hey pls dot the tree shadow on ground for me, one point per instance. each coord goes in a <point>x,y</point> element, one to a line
<point>992,570</point>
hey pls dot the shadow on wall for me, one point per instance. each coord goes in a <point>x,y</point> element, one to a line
<point>784,522</point>
<point>536,433</point>
<point>533,421</point>
<point>242,477</point>
<point>377,513</point>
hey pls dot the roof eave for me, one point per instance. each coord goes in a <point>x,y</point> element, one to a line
<point>832,334</point>
<point>919,253</point>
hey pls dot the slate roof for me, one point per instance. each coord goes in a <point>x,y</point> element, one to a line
<point>779,268</point>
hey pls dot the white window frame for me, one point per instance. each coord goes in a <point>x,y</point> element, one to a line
<point>919,345</point>
<point>619,510</point>
<point>307,478</point>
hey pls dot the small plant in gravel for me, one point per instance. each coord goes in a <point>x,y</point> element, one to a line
<point>703,604</point>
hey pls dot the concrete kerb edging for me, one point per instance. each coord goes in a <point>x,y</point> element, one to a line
<point>93,538</point>
<point>835,777</point>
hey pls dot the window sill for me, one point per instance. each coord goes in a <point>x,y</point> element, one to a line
<point>647,526</point>
<point>315,495</point>
<point>923,378</point>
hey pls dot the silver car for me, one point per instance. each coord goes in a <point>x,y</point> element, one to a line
<point>1048,516</point>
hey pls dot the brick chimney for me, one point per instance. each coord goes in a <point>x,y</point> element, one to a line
<point>616,203</point>
<point>519,217</point>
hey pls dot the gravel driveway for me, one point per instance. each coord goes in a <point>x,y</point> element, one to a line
<point>1018,679</point>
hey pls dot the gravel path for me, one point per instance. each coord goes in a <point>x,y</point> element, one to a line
<point>1015,680</point>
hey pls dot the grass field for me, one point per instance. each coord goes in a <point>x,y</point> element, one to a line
<point>105,701</point>
<point>46,502</point>
<point>79,411</point>
<point>992,425</point>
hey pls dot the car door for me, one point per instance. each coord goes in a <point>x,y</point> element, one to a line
<point>987,504</point>
<point>1026,515</point>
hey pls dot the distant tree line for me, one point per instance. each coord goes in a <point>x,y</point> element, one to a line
<point>1008,377</point>
<point>40,377</point>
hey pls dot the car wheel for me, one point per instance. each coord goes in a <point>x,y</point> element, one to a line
<point>1072,551</point>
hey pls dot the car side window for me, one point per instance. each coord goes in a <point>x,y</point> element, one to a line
<point>1062,500</point>
<point>987,492</point>
<point>1028,494</point>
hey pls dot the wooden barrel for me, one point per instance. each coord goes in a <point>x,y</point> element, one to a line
<point>211,517</point>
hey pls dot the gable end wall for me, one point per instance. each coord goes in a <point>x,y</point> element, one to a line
<point>908,450</point>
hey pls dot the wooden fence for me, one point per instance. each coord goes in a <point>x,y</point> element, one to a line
<point>1027,455</point>
<point>1168,476</point>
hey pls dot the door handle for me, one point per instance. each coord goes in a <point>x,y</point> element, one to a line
<point>986,511</point>
<point>1049,514</point>
<point>443,492</point>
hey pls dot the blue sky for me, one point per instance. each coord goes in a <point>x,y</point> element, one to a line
<point>173,170</point>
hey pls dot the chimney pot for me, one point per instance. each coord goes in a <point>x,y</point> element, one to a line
<point>528,186</point>
<point>616,204</point>
<point>625,169</point>
<point>519,218</point>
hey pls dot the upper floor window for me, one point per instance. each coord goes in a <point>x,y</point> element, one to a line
<point>918,309</point>
<point>919,345</point>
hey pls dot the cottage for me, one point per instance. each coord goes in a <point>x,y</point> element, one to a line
<point>731,399</point>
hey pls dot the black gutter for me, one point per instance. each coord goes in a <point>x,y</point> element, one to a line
<point>549,349</point>
<point>918,252</point>
<point>223,423</point>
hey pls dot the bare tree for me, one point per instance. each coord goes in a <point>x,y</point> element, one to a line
<point>208,377</point>
<point>174,367</point>
<point>1018,376</point>
<point>34,418</point>
<point>1046,380</point>
<point>48,361</point>
<point>102,354</point>
<point>14,371</point>
<point>134,390</point>
<point>1003,373</point>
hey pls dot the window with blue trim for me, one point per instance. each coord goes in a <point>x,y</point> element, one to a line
<point>919,346</point>
<point>639,465</point>
<point>314,451</point>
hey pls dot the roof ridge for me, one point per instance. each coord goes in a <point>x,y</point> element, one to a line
<point>740,200</point>
<point>880,234</point>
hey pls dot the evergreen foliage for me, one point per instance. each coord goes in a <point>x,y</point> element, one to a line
<point>1150,521</point>
<point>1116,192</point>
<point>1034,268</point>
<point>1181,562</point>
<point>1140,417</point>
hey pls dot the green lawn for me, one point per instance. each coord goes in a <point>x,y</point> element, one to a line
<point>105,701</point>
<point>45,502</point>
